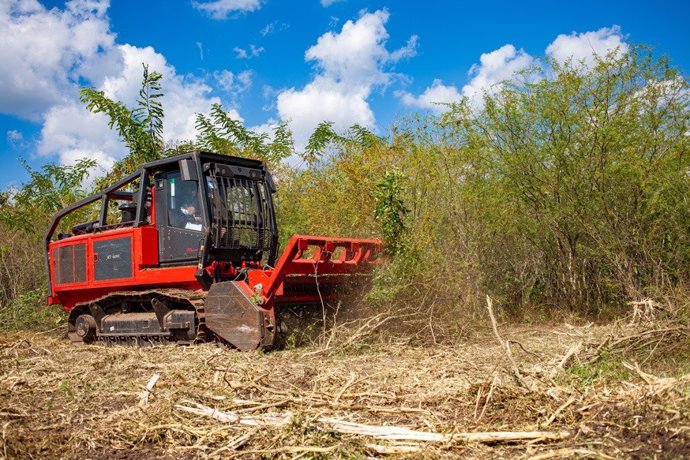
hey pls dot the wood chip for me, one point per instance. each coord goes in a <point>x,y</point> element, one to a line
<point>144,395</point>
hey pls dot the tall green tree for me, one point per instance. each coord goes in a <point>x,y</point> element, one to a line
<point>325,137</point>
<point>140,128</point>
<point>50,189</point>
<point>220,133</point>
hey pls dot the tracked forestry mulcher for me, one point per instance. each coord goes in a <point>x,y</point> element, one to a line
<point>185,250</point>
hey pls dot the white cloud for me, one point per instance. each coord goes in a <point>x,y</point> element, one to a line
<point>184,96</point>
<point>268,28</point>
<point>349,65</point>
<point>273,27</point>
<point>269,93</point>
<point>71,133</point>
<point>407,51</point>
<point>245,78</point>
<point>43,50</point>
<point>46,71</point>
<point>15,139</point>
<point>14,136</point>
<point>267,128</point>
<point>327,3</point>
<point>252,52</point>
<point>357,55</point>
<point>234,84</point>
<point>123,82</point>
<point>493,68</point>
<point>432,97</point>
<point>583,47</point>
<point>221,9</point>
<point>502,64</point>
<point>322,101</point>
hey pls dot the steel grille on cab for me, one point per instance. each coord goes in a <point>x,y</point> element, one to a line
<point>240,217</point>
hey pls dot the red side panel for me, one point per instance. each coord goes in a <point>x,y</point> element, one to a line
<point>88,266</point>
<point>148,256</point>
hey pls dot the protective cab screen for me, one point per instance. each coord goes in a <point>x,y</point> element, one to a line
<point>239,213</point>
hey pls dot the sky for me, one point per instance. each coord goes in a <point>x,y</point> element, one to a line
<point>303,61</point>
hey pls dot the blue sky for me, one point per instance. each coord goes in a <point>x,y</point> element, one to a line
<point>347,61</point>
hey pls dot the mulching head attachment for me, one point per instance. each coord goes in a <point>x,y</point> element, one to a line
<point>312,270</point>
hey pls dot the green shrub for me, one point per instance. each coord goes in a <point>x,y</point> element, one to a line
<point>566,188</point>
<point>28,311</point>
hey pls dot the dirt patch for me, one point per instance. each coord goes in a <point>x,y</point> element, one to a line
<point>644,430</point>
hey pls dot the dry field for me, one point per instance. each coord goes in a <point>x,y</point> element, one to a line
<point>558,391</point>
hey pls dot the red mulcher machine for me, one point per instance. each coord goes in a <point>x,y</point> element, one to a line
<point>185,250</point>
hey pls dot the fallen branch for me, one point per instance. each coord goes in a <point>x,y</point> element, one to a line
<point>506,346</point>
<point>522,347</point>
<point>550,420</point>
<point>283,450</point>
<point>570,355</point>
<point>234,444</point>
<point>569,452</point>
<point>657,385</point>
<point>368,326</point>
<point>394,433</point>
<point>644,311</point>
<point>233,417</point>
<point>390,433</point>
<point>347,385</point>
<point>567,358</point>
<point>394,449</point>
<point>488,397</point>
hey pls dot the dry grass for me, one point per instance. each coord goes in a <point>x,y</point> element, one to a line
<point>62,401</point>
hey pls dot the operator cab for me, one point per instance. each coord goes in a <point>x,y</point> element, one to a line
<point>204,207</point>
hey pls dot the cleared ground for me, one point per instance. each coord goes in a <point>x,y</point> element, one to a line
<point>582,391</point>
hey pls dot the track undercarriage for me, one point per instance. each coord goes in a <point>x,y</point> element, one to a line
<point>179,317</point>
<point>143,318</point>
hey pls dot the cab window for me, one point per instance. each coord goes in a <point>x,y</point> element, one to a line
<point>184,210</point>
